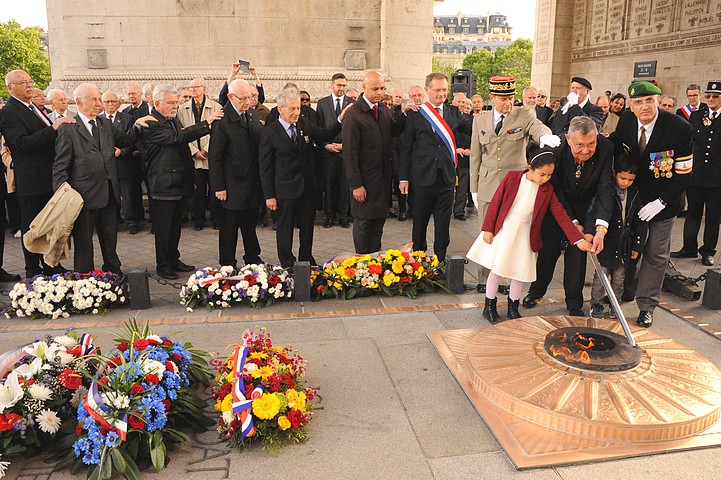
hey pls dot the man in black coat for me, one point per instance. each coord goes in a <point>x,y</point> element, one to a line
<point>428,163</point>
<point>662,144</point>
<point>234,175</point>
<point>287,173</point>
<point>164,145</point>
<point>584,170</point>
<point>579,104</point>
<point>30,136</point>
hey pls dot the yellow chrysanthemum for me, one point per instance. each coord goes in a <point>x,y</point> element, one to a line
<point>292,396</point>
<point>397,265</point>
<point>388,279</point>
<point>338,285</point>
<point>419,253</point>
<point>266,407</point>
<point>420,272</point>
<point>435,262</point>
<point>263,372</point>
<point>300,403</point>
<point>227,403</point>
<point>283,422</point>
<point>218,405</point>
<point>229,378</point>
<point>260,355</point>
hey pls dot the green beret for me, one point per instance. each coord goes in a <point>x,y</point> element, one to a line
<point>642,89</point>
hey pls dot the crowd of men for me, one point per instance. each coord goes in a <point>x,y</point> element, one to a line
<point>238,160</point>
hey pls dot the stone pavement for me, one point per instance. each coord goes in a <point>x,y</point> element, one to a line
<point>389,407</point>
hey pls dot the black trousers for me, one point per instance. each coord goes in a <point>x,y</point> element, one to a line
<point>245,220</point>
<point>104,221</point>
<point>291,211</point>
<point>700,198</point>
<point>131,200</point>
<point>402,198</point>
<point>574,265</point>
<point>337,193</point>
<point>30,206</point>
<point>201,198</point>
<point>166,223</point>
<point>462,189</point>
<point>367,233</point>
<point>436,200</point>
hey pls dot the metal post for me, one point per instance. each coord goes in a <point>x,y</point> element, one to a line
<point>301,281</point>
<point>455,269</point>
<point>712,289</point>
<point>139,290</point>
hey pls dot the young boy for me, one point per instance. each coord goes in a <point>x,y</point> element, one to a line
<point>625,237</point>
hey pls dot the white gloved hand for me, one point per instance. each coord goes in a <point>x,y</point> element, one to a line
<point>548,140</point>
<point>474,197</point>
<point>572,99</point>
<point>650,210</point>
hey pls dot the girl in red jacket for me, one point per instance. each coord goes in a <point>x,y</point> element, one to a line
<point>511,232</point>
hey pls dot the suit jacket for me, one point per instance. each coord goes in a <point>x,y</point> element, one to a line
<point>562,120</point>
<point>493,156</point>
<point>682,113</point>
<point>187,118</point>
<point>545,199</point>
<point>129,165</point>
<point>423,151</point>
<point>609,124</point>
<point>83,165</point>
<point>53,116</point>
<point>367,156</point>
<point>233,159</point>
<point>706,150</point>
<point>286,169</point>
<point>32,145</point>
<point>142,110</point>
<point>544,114</point>
<point>671,132</point>
<point>327,116</point>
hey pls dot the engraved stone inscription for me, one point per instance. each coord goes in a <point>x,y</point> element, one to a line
<point>543,27</point>
<point>579,22</point>
<point>640,13</point>
<point>598,21</point>
<point>700,13</point>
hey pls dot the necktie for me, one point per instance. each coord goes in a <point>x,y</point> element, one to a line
<point>375,108</point>
<point>337,107</point>
<point>244,120</point>
<point>714,115</point>
<point>642,140</point>
<point>172,125</point>
<point>293,134</point>
<point>438,109</point>
<point>111,119</point>
<point>94,132</point>
<point>39,115</point>
<point>499,125</point>
<point>59,116</point>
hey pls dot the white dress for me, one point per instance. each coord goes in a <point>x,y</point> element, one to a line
<point>510,254</point>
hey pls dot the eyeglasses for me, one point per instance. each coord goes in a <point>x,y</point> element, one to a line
<point>582,146</point>
<point>711,95</point>
<point>307,100</point>
<point>25,83</point>
<point>171,103</point>
<point>241,99</point>
<point>541,96</point>
<point>693,94</point>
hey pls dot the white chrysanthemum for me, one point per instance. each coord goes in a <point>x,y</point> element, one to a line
<point>120,402</point>
<point>153,366</point>
<point>40,392</point>
<point>66,341</point>
<point>3,467</point>
<point>78,396</point>
<point>49,421</point>
<point>228,417</point>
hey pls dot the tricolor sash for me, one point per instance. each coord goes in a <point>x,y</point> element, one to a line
<point>95,406</point>
<point>241,405</point>
<point>687,110</point>
<point>441,128</point>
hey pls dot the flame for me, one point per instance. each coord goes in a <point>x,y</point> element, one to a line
<point>590,342</point>
<point>579,341</point>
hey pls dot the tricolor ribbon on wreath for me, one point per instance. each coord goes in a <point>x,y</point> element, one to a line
<point>441,128</point>
<point>11,357</point>
<point>242,405</point>
<point>96,406</point>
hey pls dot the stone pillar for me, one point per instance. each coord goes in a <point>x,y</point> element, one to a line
<point>551,69</point>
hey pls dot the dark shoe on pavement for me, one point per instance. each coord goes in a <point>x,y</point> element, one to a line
<point>133,229</point>
<point>529,301</point>
<point>167,274</point>
<point>504,289</point>
<point>684,253</point>
<point>512,309</point>
<point>182,267</point>
<point>490,312</point>
<point>328,223</point>
<point>707,260</point>
<point>392,215</point>
<point>481,288</point>
<point>344,223</point>
<point>612,312</point>
<point>645,318</point>
<point>576,312</point>
<point>198,227</point>
<point>402,217</point>
<point>462,218</point>
<point>597,310</point>
<point>8,277</point>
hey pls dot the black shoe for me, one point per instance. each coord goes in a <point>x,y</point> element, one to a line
<point>503,289</point>
<point>262,223</point>
<point>684,253</point>
<point>167,274</point>
<point>597,310</point>
<point>402,217</point>
<point>576,312</point>
<point>707,260</point>
<point>612,313</point>
<point>328,223</point>
<point>481,288</point>
<point>490,312</point>
<point>133,229</point>
<point>529,301</point>
<point>275,226</point>
<point>392,215</point>
<point>627,297</point>
<point>513,309</point>
<point>198,227</point>
<point>8,277</point>
<point>462,218</point>
<point>182,267</point>
<point>344,223</point>
<point>645,318</point>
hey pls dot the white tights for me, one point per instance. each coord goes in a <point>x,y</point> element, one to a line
<point>494,281</point>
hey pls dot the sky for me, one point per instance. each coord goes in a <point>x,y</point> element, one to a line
<point>521,13</point>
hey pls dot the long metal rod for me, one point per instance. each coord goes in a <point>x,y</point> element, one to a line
<point>612,298</point>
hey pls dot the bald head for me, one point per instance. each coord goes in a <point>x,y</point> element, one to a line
<point>374,86</point>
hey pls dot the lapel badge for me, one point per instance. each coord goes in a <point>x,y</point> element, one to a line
<point>706,121</point>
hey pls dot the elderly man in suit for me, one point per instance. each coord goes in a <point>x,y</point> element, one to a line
<point>579,103</point>
<point>164,145</point>
<point>287,174</point>
<point>85,158</point>
<point>59,102</point>
<point>498,145</point>
<point>30,136</point>
<point>337,194</point>
<point>662,144</point>
<point>138,107</point>
<point>234,174</point>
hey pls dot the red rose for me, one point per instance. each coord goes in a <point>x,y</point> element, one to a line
<point>166,404</point>
<point>76,351</point>
<point>153,342</point>
<point>170,367</point>
<point>152,379</point>
<point>295,417</point>
<point>141,344</point>
<point>122,346</point>
<point>115,362</point>
<point>103,381</point>
<point>273,280</point>
<point>176,357</point>
<point>135,421</point>
<point>136,389</point>
<point>167,342</point>
<point>70,379</point>
<point>320,289</point>
<point>405,280</point>
<point>78,430</point>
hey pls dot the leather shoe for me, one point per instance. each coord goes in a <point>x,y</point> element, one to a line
<point>344,223</point>
<point>182,267</point>
<point>167,274</point>
<point>402,217</point>
<point>576,312</point>
<point>8,277</point>
<point>707,260</point>
<point>198,228</point>
<point>481,288</point>
<point>684,253</point>
<point>133,229</point>
<point>645,318</point>
<point>529,301</point>
<point>503,289</point>
<point>462,218</point>
<point>328,223</point>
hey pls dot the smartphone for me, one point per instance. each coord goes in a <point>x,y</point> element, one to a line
<point>244,66</point>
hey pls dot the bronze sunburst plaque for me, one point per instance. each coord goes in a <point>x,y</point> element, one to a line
<point>546,412</point>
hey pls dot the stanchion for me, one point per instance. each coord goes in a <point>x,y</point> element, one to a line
<point>139,290</point>
<point>455,268</point>
<point>712,289</point>
<point>301,281</point>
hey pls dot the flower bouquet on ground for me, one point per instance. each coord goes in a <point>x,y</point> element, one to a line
<point>394,272</point>
<point>259,394</point>
<point>143,393</point>
<point>255,285</point>
<point>61,295</point>
<point>40,388</point>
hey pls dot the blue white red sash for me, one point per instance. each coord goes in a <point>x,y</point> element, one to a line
<point>440,126</point>
<point>95,406</point>
<point>687,110</point>
<point>10,358</point>
<point>241,405</point>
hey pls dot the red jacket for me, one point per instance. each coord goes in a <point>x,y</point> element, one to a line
<point>503,199</point>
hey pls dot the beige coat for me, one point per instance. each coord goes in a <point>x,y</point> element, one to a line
<point>9,170</point>
<point>49,232</point>
<point>186,117</point>
<point>492,156</point>
<point>609,124</point>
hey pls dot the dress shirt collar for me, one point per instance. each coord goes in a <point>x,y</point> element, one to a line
<point>24,103</point>
<point>649,128</point>
<point>286,126</point>
<point>238,111</point>
<point>497,116</point>
<point>372,105</point>
<point>583,104</point>
<point>439,108</point>
<point>717,112</point>
<point>85,122</point>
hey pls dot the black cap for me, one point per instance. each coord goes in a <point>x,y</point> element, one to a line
<point>583,82</point>
<point>713,87</point>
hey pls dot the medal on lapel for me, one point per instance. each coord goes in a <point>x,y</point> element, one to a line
<point>706,121</point>
<point>662,164</point>
<point>579,167</point>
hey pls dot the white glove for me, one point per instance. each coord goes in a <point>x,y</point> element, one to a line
<point>572,99</point>
<point>474,197</point>
<point>650,210</point>
<point>548,140</point>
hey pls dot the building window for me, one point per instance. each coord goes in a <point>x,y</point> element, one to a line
<point>451,30</point>
<point>465,30</point>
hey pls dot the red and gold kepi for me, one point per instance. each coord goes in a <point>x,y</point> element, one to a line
<point>502,85</point>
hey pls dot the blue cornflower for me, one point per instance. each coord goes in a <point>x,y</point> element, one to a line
<point>112,440</point>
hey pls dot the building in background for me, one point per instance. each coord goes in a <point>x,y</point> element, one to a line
<point>455,36</point>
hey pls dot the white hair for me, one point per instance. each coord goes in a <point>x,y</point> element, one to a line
<point>290,93</point>
<point>234,86</point>
<point>81,91</point>
<point>160,91</point>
